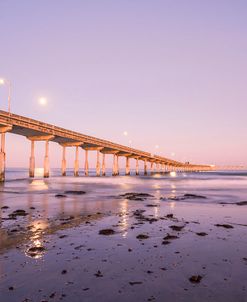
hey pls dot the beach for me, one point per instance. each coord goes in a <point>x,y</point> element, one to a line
<point>171,237</point>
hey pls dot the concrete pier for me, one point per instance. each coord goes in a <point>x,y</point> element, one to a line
<point>86,166</point>
<point>145,167</point>
<point>32,161</point>
<point>117,165</point>
<point>2,158</point>
<point>137,166</point>
<point>38,131</point>
<point>103,165</point>
<point>127,168</point>
<point>98,163</point>
<point>64,161</point>
<point>46,160</point>
<point>3,130</point>
<point>76,164</point>
<point>114,168</point>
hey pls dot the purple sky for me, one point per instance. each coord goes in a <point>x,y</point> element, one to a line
<point>171,73</point>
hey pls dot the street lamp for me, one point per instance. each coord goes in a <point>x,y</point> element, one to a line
<point>8,83</point>
<point>43,101</point>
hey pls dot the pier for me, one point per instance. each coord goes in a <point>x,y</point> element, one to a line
<point>35,131</point>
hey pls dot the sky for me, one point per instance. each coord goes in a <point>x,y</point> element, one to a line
<point>171,73</point>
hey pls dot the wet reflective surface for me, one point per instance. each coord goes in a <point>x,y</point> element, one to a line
<point>51,249</point>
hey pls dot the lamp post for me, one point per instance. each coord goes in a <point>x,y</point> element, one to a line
<point>8,83</point>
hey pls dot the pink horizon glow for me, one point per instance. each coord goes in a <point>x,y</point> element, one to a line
<point>169,73</point>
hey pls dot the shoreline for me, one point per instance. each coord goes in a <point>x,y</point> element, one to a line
<point>93,267</point>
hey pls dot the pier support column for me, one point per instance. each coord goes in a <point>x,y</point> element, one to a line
<point>145,168</point>
<point>32,161</point>
<point>46,160</point>
<point>117,165</point>
<point>76,164</point>
<point>152,167</point>
<point>64,161</point>
<point>127,169</point>
<point>137,166</point>
<point>103,164</point>
<point>98,164</point>
<point>86,163</point>
<point>2,158</point>
<point>114,169</point>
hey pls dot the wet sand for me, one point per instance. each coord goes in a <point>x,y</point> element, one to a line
<point>150,249</point>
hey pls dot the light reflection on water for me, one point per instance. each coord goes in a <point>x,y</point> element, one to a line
<point>35,250</point>
<point>37,197</point>
<point>38,184</point>
<point>172,204</point>
<point>124,217</point>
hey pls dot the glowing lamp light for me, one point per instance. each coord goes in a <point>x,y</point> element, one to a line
<point>43,101</point>
<point>2,82</point>
<point>173,174</point>
<point>125,133</point>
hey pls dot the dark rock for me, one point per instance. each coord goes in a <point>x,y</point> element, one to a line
<point>201,234</point>
<point>176,227</point>
<point>67,218</point>
<point>52,295</point>
<point>35,251</point>
<point>142,236</point>
<point>163,268</point>
<point>63,272</point>
<point>135,196</point>
<point>195,279</point>
<point>150,220</point>
<point>14,231</point>
<point>106,232</point>
<point>152,205</point>
<point>241,203</point>
<point>226,226</point>
<point>169,215</point>
<point>166,242</point>
<point>11,288</point>
<point>98,274</point>
<point>60,195</point>
<point>170,237</point>
<point>191,196</point>
<point>138,212</point>
<point>18,213</point>
<point>4,207</point>
<point>135,282</point>
<point>186,196</point>
<point>70,192</point>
